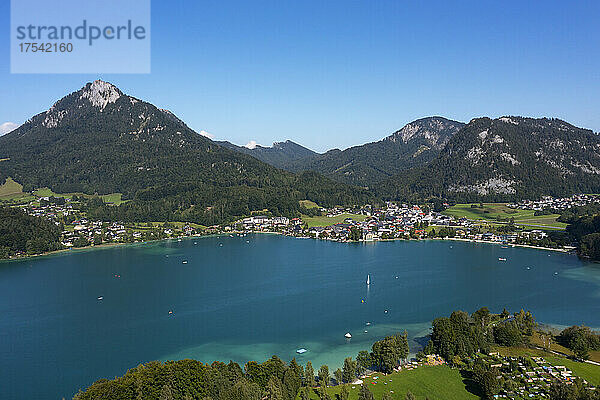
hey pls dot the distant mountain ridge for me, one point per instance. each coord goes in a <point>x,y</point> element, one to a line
<point>507,158</point>
<point>416,144</point>
<point>280,155</point>
<point>100,140</point>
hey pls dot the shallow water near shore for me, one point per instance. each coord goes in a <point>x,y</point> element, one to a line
<point>246,298</point>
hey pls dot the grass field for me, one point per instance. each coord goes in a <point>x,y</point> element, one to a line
<point>440,382</point>
<point>326,221</point>
<point>308,204</point>
<point>498,212</point>
<point>10,188</point>
<point>115,198</point>
<point>535,339</point>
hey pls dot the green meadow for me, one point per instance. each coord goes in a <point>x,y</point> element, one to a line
<point>499,212</point>
<point>436,383</point>
<point>115,198</point>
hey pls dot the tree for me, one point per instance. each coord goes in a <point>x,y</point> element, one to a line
<point>274,390</point>
<point>348,370</point>
<point>364,393</point>
<point>580,339</point>
<point>304,393</point>
<point>355,233</point>
<point>309,375</point>
<point>166,393</point>
<point>363,361</point>
<point>344,393</point>
<point>482,316</point>
<point>243,390</point>
<point>322,392</point>
<point>338,376</point>
<point>388,352</point>
<point>81,241</point>
<point>485,378</point>
<point>508,334</point>
<point>581,348</point>
<point>410,396</point>
<point>291,382</point>
<point>324,375</point>
<point>386,396</point>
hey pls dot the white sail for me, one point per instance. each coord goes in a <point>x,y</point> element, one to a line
<point>368,279</point>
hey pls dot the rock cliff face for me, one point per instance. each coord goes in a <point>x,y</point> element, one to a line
<point>510,156</point>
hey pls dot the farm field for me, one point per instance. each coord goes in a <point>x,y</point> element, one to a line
<point>499,212</point>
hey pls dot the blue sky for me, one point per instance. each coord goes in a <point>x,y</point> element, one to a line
<point>340,73</point>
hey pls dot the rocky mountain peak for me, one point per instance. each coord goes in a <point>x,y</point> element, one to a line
<point>100,93</point>
<point>435,131</point>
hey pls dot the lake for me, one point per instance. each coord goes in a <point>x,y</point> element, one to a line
<point>246,298</point>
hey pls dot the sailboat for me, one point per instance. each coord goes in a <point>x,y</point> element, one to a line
<point>368,279</point>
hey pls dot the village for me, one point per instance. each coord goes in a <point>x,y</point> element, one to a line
<point>368,223</point>
<point>556,203</point>
<point>394,221</point>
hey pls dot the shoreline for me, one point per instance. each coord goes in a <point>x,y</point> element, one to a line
<point>104,246</point>
<point>110,245</point>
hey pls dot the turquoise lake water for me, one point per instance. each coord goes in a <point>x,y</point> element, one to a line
<point>246,298</point>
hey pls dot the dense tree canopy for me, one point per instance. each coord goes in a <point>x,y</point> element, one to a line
<point>20,232</point>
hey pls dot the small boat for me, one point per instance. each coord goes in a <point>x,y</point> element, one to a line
<point>348,335</point>
<point>170,312</point>
<point>501,259</point>
<point>556,273</point>
<point>100,297</point>
<point>385,311</point>
<point>301,351</point>
<point>528,267</point>
<point>184,262</point>
<point>179,240</point>
<point>368,323</point>
<point>365,331</point>
<point>368,279</point>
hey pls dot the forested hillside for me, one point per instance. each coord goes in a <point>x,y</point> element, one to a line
<point>280,155</point>
<point>506,159</point>
<point>416,144</point>
<point>23,233</point>
<point>99,140</point>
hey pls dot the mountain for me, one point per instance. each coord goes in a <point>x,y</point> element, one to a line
<point>280,155</point>
<point>507,158</point>
<point>416,144</point>
<point>100,140</point>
